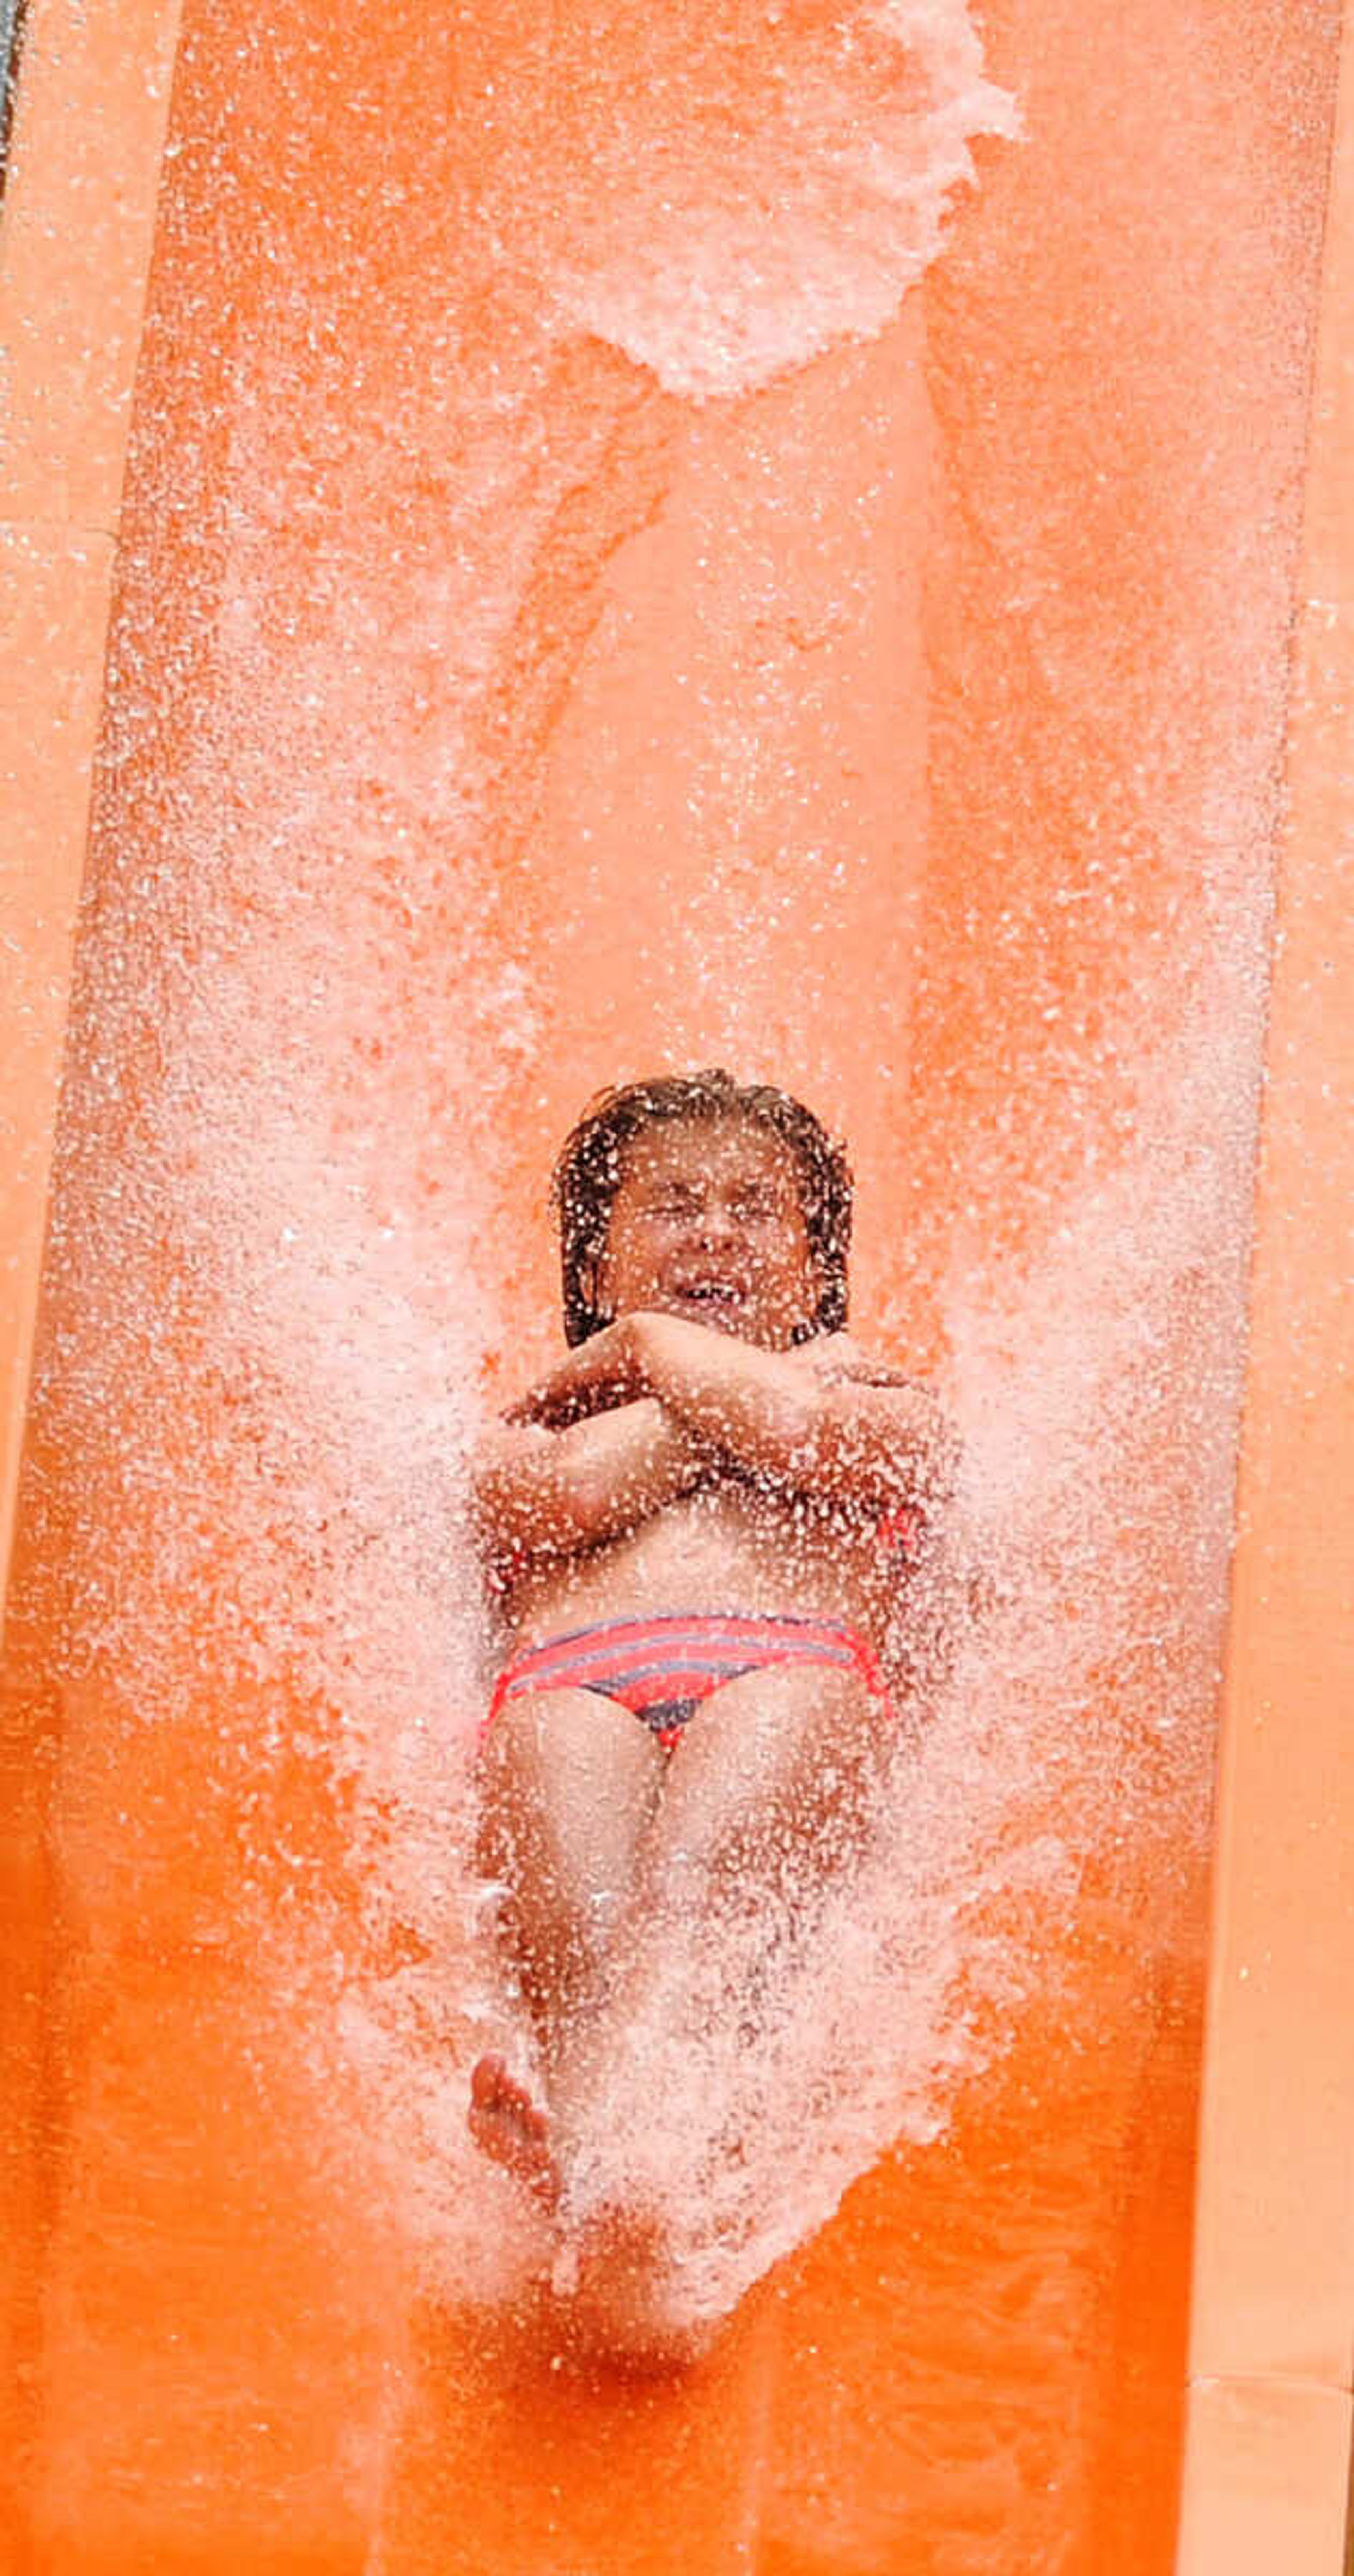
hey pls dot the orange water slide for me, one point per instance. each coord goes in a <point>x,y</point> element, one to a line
<point>528,554</point>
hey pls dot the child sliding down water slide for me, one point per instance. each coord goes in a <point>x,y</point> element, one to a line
<point>711,1539</point>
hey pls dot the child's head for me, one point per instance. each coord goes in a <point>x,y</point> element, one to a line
<point>704,1196</point>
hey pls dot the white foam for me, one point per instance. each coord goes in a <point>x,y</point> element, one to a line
<point>724,193</point>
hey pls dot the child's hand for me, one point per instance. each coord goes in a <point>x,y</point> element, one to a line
<point>605,1371</point>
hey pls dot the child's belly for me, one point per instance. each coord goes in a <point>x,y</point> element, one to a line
<point>718,1551</point>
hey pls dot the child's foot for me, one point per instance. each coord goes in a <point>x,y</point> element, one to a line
<point>512,2128</point>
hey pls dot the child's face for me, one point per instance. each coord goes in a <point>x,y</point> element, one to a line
<point>707,1222</point>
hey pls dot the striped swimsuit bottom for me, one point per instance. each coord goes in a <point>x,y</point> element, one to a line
<point>663,1669</point>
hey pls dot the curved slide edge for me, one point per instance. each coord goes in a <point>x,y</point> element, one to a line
<point>1268,2422</point>
<point>85,151</point>
<point>90,116</point>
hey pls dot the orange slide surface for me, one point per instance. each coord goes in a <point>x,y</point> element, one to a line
<point>646,537</point>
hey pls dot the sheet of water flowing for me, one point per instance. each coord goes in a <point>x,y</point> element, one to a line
<point>324,1050</point>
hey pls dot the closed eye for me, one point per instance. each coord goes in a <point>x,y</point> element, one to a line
<point>755,1206</point>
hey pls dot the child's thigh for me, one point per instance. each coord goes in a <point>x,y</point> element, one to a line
<point>564,1773</point>
<point>796,1744</point>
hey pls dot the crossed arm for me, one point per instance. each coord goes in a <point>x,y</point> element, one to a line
<point>655,1406</point>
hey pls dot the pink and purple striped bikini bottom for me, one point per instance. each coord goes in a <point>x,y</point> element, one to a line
<point>663,1669</point>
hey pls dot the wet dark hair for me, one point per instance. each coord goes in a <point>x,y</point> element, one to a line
<point>592,1163</point>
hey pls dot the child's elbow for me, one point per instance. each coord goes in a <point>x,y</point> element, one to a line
<point>918,1457</point>
<point>942,1457</point>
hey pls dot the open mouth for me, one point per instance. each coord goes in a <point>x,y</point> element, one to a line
<point>715,1300</point>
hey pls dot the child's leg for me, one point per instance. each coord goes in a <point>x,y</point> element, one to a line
<point>768,1796</point>
<point>772,1781</point>
<point>567,1783</point>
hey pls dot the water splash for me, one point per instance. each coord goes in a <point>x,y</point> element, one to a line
<point>641,173</point>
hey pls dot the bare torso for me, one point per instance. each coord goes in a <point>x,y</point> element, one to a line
<point>729,1547</point>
